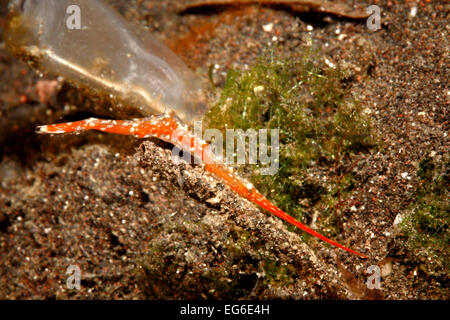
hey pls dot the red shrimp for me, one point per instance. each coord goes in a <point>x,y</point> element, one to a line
<point>167,128</point>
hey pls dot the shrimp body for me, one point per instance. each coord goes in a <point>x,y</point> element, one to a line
<point>167,128</point>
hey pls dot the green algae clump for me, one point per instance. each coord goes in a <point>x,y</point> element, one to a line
<point>321,127</point>
<point>426,228</point>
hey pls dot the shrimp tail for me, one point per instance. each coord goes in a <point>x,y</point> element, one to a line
<point>247,190</point>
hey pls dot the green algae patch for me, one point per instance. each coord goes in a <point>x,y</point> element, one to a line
<point>426,228</point>
<point>321,129</point>
<point>233,264</point>
<point>278,274</point>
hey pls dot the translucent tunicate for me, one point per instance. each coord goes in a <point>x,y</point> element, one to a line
<point>92,46</point>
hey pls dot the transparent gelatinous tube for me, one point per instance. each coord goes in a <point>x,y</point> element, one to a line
<point>105,54</point>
